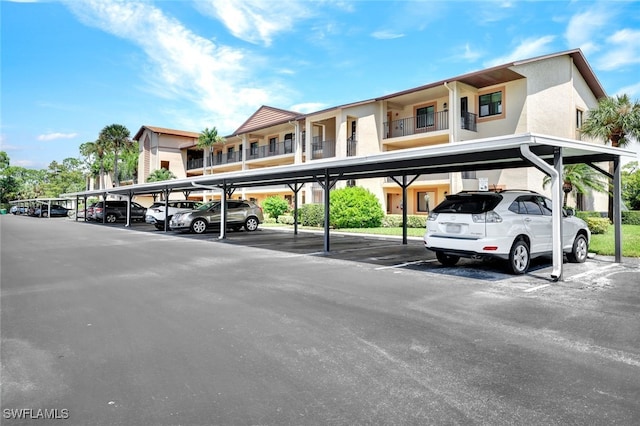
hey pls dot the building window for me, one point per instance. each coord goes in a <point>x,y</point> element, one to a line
<point>471,174</point>
<point>273,142</point>
<point>288,143</point>
<point>425,201</point>
<point>425,116</point>
<point>491,104</point>
<point>579,115</point>
<point>253,148</point>
<point>164,165</point>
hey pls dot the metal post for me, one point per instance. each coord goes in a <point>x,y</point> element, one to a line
<point>166,209</point>
<point>404,209</point>
<point>556,215</point>
<point>617,211</point>
<point>327,190</point>
<point>223,212</point>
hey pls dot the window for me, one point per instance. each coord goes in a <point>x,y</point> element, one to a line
<point>491,104</point>
<point>164,165</point>
<point>531,207</point>
<point>253,148</point>
<point>288,143</point>
<point>425,200</point>
<point>273,142</point>
<point>425,116</point>
<point>469,174</point>
<point>579,114</point>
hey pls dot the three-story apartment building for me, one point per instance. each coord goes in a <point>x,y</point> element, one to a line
<point>546,95</point>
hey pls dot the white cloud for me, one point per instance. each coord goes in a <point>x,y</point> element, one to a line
<point>622,49</point>
<point>386,35</point>
<point>217,79</point>
<point>529,48</point>
<point>255,21</point>
<point>55,136</point>
<point>583,29</point>
<point>633,91</point>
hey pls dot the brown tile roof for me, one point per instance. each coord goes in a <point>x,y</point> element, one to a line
<point>266,116</point>
<point>165,131</point>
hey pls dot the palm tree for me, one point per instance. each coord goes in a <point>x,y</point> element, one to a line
<point>579,177</point>
<point>117,137</point>
<point>206,140</point>
<point>159,175</point>
<point>97,151</point>
<point>615,121</point>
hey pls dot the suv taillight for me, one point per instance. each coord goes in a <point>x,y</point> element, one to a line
<point>487,217</point>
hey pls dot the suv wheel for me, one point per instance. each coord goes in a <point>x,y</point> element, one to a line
<point>251,224</point>
<point>111,218</point>
<point>198,226</point>
<point>519,257</point>
<point>579,250</point>
<point>447,259</point>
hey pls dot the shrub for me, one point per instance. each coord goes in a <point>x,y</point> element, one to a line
<point>631,217</point>
<point>392,221</point>
<point>355,207</point>
<point>585,214</point>
<point>274,206</point>
<point>598,225</point>
<point>285,219</point>
<point>311,215</point>
<point>395,221</point>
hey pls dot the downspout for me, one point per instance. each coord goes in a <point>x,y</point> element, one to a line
<point>453,135</point>
<point>556,198</point>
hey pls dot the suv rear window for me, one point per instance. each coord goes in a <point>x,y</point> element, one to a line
<point>468,203</point>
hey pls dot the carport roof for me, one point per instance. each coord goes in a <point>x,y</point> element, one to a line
<point>479,154</point>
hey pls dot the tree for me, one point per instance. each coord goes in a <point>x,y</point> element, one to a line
<point>207,139</point>
<point>616,121</point>
<point>580,178</point>
<point>116,137</point>
<point>128,169</point>
<point>631,185</point>
<point>275,206</point>
<point>4,160</point>
<point>355,207</point>
<point>159,175</point>
<point>95,151</point>
<point>63,177</point>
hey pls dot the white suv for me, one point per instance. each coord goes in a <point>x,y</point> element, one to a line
<point>511,225</point>
<point>156,215</point>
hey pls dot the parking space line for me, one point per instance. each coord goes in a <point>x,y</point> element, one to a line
<point>529,290</point>
<point>592,272</point>
<point>402,265</point>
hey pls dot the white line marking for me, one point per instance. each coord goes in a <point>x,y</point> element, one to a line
<point>592,272</point>
<point>529,290</point>
<point>401,265</point>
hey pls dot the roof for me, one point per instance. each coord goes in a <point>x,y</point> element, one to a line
<point>165,131</point>
<point>266,116</point>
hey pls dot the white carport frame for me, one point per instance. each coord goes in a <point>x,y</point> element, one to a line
<point>547,153</point>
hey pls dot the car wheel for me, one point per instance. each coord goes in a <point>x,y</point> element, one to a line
<point>159,226</point>
<point>111,218</point>
<point>519,257</point>
<point>45,214</point>
<point>251,224</point>
<point>447,259</point>
<point>579,250</point>
<point>198,226</point>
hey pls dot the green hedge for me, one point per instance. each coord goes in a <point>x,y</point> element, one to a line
<point>631,217</point>
<point>586,214</point>
<point>395,221</point>
<point>311,215</point>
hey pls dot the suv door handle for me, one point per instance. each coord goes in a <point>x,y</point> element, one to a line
<point>527,219</point>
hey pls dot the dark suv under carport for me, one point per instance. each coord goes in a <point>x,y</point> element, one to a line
<point>117,210</point>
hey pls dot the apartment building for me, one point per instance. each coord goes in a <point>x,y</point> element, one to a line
<point>546,95</point>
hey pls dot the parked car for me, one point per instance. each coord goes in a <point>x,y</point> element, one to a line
<point>156,214</point>
<point>512,225</point>
<point>18,210</point>
<point>89,211</point>
<point>117,210</point>
<point>239,213</point>
<point>56,210</point>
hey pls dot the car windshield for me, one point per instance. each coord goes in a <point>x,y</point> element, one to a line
<point>207,206</point>
<point>468,203</point>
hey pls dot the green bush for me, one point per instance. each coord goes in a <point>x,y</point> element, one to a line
<point>631,217</point>
<point>275,206</point>
<point>392,221</point>
<point>355,207</point>
<point>285,219</point>
<point>395,221</point>
<point>311,215</point>
<point>598,225</point>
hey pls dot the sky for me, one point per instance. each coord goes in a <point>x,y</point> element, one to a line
<point>71,67</point>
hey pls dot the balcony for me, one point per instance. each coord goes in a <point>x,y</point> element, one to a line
<point>427,123</point>
<point>322,149</point>
<point>222,158</point>
<point>195,163</point>
<point>468,121</point>
<point>271,150</point>
<point>351,147</point>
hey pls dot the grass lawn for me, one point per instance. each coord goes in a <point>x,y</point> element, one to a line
<point>600,244</point>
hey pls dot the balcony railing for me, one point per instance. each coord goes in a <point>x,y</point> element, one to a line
<point>416,125</point>
<point>195,163</point>
<point>222,158</point>
<point>322,149</point>
<point>351,147</point>
<point>468,121</point>
<point>270,150</point>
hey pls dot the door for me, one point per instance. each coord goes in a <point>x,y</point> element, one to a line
<point>538,224</point>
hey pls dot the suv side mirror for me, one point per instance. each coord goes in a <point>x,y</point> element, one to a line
<point>569,211</point>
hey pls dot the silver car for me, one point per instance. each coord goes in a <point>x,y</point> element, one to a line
<point>239,213</point>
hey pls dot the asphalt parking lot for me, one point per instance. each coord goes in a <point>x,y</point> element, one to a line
<point>137,326</point>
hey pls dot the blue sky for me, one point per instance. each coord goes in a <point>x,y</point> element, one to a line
<point>69,68</point>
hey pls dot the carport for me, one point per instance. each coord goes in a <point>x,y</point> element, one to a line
<point>31,202</point>
<point>546,153</point>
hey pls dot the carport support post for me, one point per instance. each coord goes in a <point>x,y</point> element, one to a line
<point>556,214</point>
<point>295,188</point>
<point>129,197</point>
<point>617,211</point>
<point>223,212</point>
<point>327,199</point>
<point>166,208</point>
<point>104,208</point>
<point>404,209</point>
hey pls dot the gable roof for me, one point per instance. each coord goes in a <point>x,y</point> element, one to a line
<point>165,131</point>
<point>266,116</point>
<point>504,73</point>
